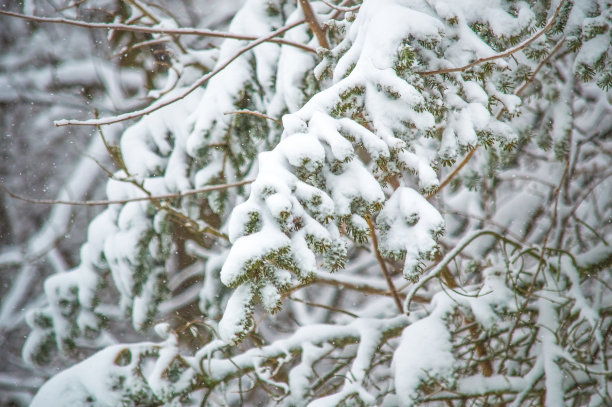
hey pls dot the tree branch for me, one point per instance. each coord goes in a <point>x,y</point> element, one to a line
<point>159,104</point>
<point>313,23</point>
<point>452,175</point>
<point>124,201</point>
<point>518,92</point>
<point>339,8</point>
<point>258,114</point>
<point>504,54</point>
<point>383,265</point>
<point>153,30</point>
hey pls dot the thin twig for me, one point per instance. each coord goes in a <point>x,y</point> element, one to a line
<point>130,48</point>
<point>153,30</point>
<point>327,307</point>
<point>313,23</point>
<point>504,54</point>
<point>439,268</point>
<point>342,9</point>
<point>254,113</point>
<point>144,10</point>
<point>159,104</point>
<point>520,90</point>
<point>383,266</point>
<point>452,175</point>
<point>124,201</point>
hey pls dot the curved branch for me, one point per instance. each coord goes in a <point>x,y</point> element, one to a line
<point>339,8</point>
<point>434,272</point>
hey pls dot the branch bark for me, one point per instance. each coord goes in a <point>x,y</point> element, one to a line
<point>383,266</point>
<point>313,23</point>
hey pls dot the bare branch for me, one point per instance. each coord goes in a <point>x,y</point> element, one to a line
<point>439,268</point>
<point>383,265</point>
<point>520,90</point>
<point>313,23</point>
<point>159,104</point>
<point>339,8</point>
<point>504,54</point>
<point>452,175</point>
<point>327,307</point>
<point>153,30</point>
<point>123,201</point>
<point>254,113</point>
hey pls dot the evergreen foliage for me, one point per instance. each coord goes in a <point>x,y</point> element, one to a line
<point>429,220</point>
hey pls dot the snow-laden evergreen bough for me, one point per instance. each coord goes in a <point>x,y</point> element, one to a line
<point>431,222</point>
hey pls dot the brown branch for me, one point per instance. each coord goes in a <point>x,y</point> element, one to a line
<point>383,266</point>
<point>452,175</point>
<point>313,23</point>
<point>528,82</point>
<point>123,201</point>
<point>152,30</point>
<point>339,8</point>
<point>159,104</point>
<point>254,113</point>
<point>131,48</point>
<point>327,307</point>
<point>485,364</point>
<point>504,54</point>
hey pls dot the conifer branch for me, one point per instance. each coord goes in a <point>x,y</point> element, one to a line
<point>504,54</point>
<point>518,92</point>
<point>452,175</point>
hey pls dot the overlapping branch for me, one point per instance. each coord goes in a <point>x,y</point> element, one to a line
<point>154,30</point>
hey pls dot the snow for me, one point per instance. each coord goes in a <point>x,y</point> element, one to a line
<point>236,316</point>
<point>250,249</point>
<point>425,351</point>
<point>409,225</point>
